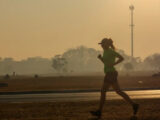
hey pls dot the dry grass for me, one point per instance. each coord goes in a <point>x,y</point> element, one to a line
<point>113,110</point>
<point>74,82</point>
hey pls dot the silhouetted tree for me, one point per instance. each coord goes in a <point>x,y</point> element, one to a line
<point>26,66</point>
<point>8,65</point>
<point>153,62</point>
<point>59,64</point>
<point>128,66</point>
<point>82,59</point>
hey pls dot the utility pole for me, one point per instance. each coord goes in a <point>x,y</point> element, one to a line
<point>131,7</point>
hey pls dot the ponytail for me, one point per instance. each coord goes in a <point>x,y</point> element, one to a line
<point>111,44</point>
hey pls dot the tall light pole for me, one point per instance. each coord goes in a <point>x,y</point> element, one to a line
<point>131,7</point>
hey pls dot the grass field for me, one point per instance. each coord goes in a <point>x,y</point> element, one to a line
<point>74,82</point>
<point>113,110</point>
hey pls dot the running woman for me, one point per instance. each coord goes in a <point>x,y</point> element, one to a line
<point>111,74</point>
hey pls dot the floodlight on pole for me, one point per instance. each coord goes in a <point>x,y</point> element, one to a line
<point>131,7</point>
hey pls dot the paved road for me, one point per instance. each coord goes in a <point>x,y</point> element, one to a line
<point>54,97</point>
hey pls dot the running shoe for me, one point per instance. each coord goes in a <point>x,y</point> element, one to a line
<point>135,108</point>
<point>96,113</point>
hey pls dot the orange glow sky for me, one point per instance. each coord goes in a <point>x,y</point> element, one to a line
<point>45,28</point>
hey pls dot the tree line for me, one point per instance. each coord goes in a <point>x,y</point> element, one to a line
<point>80,59</point>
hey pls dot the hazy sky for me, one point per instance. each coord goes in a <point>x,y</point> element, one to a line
<point>48,27</point>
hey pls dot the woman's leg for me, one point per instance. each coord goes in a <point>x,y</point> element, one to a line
<point>116,87</point>
<point>104,89</point>
<point>135,106</point>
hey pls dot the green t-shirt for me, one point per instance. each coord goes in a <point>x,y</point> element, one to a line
<point>109,57</point>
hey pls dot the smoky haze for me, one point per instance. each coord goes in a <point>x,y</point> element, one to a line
<point>39,27</point>
<point>76,60</point>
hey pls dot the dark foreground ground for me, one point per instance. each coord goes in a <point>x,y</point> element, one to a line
<point>113,110</point>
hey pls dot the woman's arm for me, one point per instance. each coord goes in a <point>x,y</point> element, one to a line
<point>120,59</point>
<point>100,57</point>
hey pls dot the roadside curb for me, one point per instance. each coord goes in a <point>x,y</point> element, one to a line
<point>69,91</point>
